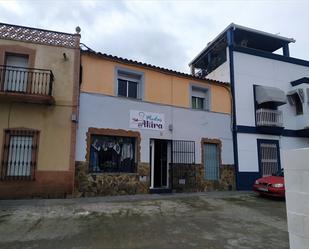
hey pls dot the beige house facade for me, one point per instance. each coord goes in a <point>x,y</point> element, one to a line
<point>39,85</point>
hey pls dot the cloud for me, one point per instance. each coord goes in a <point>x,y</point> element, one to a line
<point>149,46</point>
<point>164,33</point>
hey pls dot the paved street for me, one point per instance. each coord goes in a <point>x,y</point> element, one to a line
<point>215,220</point>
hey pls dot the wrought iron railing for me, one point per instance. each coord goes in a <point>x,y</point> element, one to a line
<point>26,80</point>
<point>183,164</point>
<point>183,152</point>
<point>267,117</point>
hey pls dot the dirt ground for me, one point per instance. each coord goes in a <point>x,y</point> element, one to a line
<point>215,220</point>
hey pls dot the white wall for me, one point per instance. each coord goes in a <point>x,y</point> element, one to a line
<point>289,143</point>
<point>297,196</point>
<point>248,151</point>
<point>100,111</point>
<point>252,70</point>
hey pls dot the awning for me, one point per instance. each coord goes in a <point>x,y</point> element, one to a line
<point>265,94</point>
<point>298,93</point>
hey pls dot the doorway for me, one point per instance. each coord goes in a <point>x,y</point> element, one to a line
<point>211,161</point>
<point>16,73</point>
<point>160,159</point>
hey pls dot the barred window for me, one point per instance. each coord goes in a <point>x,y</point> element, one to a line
<point>269,157</point>
<point>19,156</point>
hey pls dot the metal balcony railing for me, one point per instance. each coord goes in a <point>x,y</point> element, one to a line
<point>267,117</point>
<point>23,80</point>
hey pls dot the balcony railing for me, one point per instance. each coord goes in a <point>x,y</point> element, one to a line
<point>267,117</point>
<point>19,81</point>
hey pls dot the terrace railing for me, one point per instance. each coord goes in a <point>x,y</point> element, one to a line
<point>267,117</point>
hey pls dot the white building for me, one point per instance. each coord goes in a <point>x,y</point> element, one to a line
<point>270,96</point>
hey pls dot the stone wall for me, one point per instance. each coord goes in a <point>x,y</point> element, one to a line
<point>101,184</point>
<point>186,178</point>
<point>191,179</point>
<point>226,180</point>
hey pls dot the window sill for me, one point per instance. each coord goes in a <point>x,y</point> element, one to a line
<point>17,178</point>
<point>204,110</point>
<point>136,99</point>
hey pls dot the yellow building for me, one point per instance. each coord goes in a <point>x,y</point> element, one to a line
<point>39,81</point>
<point>145,129</point>
<point>163,86</point>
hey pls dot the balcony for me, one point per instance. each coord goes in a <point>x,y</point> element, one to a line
<point>270,118</point>
<point>30,85</point>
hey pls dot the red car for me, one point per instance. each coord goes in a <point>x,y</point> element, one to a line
<point>271,185</point>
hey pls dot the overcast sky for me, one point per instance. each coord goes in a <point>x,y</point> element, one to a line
<point>164,33</point>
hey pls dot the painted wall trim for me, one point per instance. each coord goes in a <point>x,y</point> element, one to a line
<point>286,132</point>
<point>271,56</point>
<point>300,81</point>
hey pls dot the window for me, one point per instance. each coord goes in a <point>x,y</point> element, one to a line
<point>199,98</point>
<point>19,154</point>
<point>197,103</point>
<point>268,157</point>
<point>129,84</point>
<point>16,74</point>
<point>112,154</point>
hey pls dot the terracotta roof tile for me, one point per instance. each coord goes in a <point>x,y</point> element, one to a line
<point>165,70</point>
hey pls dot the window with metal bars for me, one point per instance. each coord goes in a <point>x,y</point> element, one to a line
<point>269,158</point>
<point>19,157</point>
<point>183,152</point>
<point>183,164</point>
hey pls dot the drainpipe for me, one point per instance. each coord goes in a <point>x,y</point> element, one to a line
<point>230,41</point>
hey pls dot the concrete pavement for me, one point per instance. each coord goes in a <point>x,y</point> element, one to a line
<point>199,220</point>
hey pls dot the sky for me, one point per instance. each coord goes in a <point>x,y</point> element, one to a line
<point>163,33</point>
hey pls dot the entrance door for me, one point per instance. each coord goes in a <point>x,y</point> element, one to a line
<point>160,160</point>
<point>269,156</point>
<point>16,78</point>
<point>211,161</point>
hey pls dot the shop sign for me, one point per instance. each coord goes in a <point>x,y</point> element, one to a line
<point>146,120</point>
